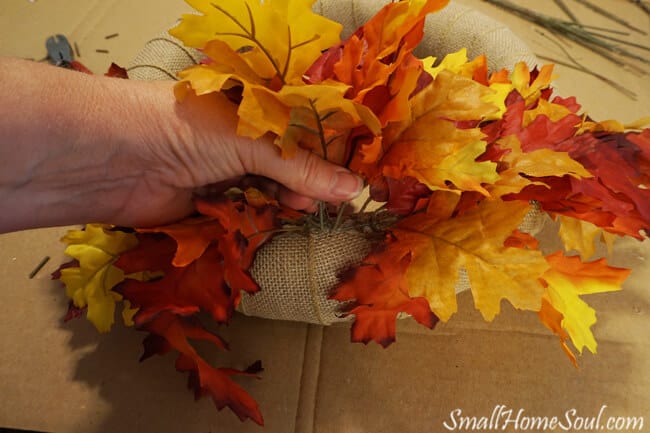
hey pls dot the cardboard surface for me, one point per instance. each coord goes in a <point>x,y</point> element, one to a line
<point>67,378</point>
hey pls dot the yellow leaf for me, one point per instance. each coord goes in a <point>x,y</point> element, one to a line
<point>568,278</point>
<point>90,284</point>
<point>458,64</point>
<point>431,148</point>
<point>521,81</point>
<point>554,112</point>
<point>229,70</point>
<point>537,163</point>
<point>295,109</point>
<point>497,97</point>
<point>435,152</point>
<point>613,125</point>
<point>473,241</point>
<point>276,38</point>
<point>578,235</point>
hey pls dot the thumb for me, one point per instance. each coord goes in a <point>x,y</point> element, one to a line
<point>306,173</point>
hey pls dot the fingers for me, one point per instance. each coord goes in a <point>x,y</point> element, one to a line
<point>306,174</point>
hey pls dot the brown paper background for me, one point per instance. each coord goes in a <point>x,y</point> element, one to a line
<point>67,378</point>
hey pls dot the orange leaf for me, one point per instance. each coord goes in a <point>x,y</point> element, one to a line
<point>379,293</point>
<point>566,280</point>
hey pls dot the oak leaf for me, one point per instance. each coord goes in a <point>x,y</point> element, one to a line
<point>566,280</point>
<point>431,148</point>
<point>379,293</point>
<point>276,38</point>
<point>473,241</point>
<point>91,283</point>
<point>168,332</point>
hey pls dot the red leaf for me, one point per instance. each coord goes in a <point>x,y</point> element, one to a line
<point>378,289</point>
<point>117,72</point>
<point>186,290</point>
<point>172,332</point>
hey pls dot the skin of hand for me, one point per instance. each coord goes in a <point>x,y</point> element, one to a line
<point>76,148</point>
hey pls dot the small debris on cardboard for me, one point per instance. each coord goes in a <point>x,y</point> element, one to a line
<point>38,267</point>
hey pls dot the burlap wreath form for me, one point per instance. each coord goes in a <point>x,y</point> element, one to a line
<point>296,272</point>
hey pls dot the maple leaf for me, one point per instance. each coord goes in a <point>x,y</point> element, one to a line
<point>473,241</point>
<point>276,38</point>
<point>172,332</point>
<point>90,284</point>
<point>566,280</point>
<point>379,293</point>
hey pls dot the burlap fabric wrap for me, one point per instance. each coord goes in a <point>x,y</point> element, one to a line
<point>296,272</point>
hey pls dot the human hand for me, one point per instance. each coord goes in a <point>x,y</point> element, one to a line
<point>77,148</point>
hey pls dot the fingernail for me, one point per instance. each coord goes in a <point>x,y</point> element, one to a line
<point>346,185</point>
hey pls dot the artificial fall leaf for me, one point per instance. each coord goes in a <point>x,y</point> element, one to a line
<point>553,111</point>
<point>192,236</point>
<point>566,280</point>
<point>520,168</point>
<point>276,38</point>
<point>582,236</point>
<point>376,61</point>
<point>172,332</point>
<point>431,148</point>
<point>204,268</point>
<point>614,196</point>
<point>307,116</point>
<point>231,70</point>
<point>379,293</point>
<point>613,125</point>
<point>198,286</point>
<point>473,241</point>
<point>477,70</point>
<point>552,319</point>
<point>90,283</point>
<point>529,85</point>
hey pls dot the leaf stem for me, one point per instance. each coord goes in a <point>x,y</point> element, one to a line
<point>250,35</point>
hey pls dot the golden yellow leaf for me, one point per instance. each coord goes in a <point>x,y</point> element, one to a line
<point>90,284</point>
<point>537,163</point>
<point>231,69</point>
<point>473,241</point>
<point>568,278</point>
<point>578,235</point>
<point>613,125</point>
<point>431,148</point>
<point>521,81</point>
<point>263,110</point>
<point>276,38</point>
<point>554,112</point>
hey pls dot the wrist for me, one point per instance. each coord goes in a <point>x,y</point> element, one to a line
<point>74,147</point>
